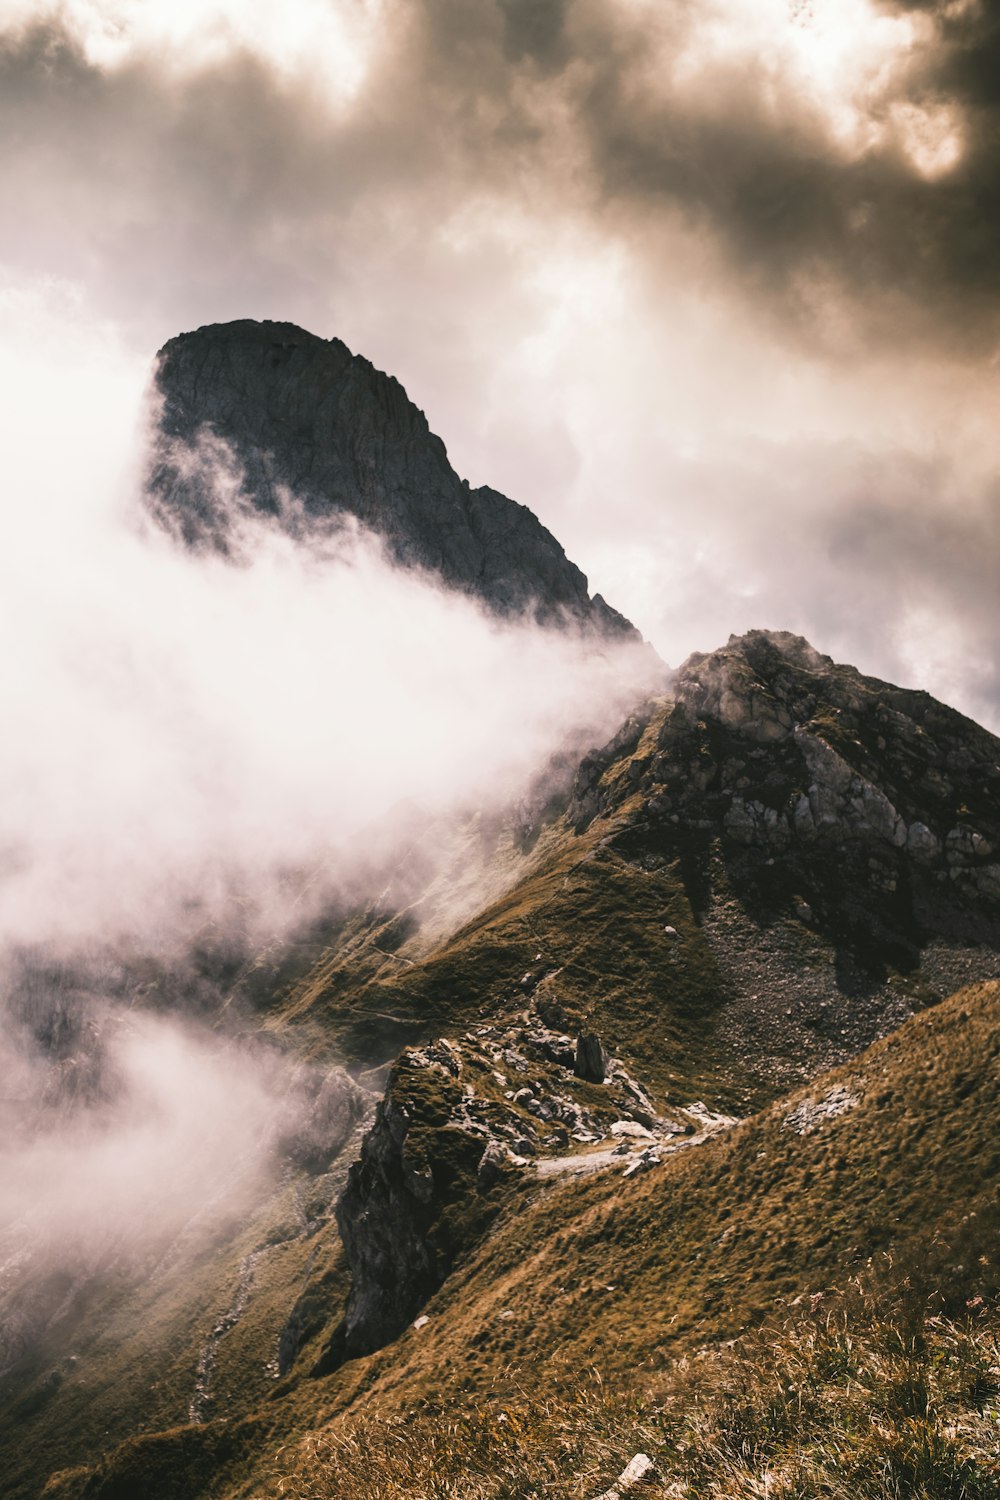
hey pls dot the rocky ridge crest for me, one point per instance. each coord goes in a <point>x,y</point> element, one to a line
<point>787,758</point>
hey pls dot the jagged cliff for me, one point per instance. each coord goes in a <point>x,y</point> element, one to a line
<point>865,808</point>
<point>304,430</point>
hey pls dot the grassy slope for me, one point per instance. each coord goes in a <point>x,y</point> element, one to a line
<point>630,1276</point>
<point>873,1396</point>
<point>631,1271</point>
<point>592,925</point>
<point>703,1014</point>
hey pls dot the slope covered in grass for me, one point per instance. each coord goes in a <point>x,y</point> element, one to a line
<point>875,1395</point>
<point>893,1158</point>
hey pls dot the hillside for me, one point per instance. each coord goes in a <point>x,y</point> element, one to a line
<point>892,1157</point>
<point>756,878</point>
<point>717,958</point>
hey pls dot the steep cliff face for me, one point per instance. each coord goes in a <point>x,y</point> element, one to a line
<point>302,430</point>
<point>866,807</point>
<point>410,1203</point>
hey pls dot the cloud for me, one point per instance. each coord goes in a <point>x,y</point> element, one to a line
<point>196,743</point>
<point>182,726</point>
<point>821,148</point>
<point>106,1177</point>
<point>646,267</point>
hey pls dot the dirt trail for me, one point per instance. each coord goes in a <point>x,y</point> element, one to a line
<point>630,1155</point>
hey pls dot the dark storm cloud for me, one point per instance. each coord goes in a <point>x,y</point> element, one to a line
<point>535,29</point>
<point>224,178</point>
<point>748,157</point>
<point>773,184</point>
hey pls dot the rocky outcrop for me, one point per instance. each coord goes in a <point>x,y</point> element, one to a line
<point>409,1206</point>
<point>591,1058</point>
<point>459,1123</point>
<point>268,418</point>
<point>855,805</point>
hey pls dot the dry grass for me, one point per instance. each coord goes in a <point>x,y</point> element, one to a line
<point>878,1396</point>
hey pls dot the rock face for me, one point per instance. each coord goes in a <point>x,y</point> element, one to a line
<point>409,1204</point>
<point>857,806</point>
<point>591,1058</point>
<point>297,428</point>
<point>460,1122</point>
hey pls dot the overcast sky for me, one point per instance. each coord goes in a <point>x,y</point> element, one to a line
<point>711,285</point>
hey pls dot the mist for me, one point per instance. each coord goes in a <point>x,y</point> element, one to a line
<point>185,726</point>
<point>196,741</point>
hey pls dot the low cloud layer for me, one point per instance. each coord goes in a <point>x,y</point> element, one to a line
<point>102,1185</point>
<point>196,741</point>
<point>187,728</point>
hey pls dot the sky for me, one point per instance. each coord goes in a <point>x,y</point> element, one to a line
<point>712,287</point>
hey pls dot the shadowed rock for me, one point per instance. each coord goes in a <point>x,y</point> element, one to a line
<point>591,1062</point>
<point>268,418</point>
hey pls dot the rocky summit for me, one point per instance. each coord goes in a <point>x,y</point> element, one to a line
<point>669,1165</point>
<point>300,430</point>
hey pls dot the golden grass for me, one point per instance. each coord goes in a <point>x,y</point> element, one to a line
<point>734,1239</point>
<point>874,1395</point>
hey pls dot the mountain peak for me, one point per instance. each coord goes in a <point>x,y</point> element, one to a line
<point>296,414</point>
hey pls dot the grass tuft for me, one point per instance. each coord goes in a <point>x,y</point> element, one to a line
<point>879,1396</point>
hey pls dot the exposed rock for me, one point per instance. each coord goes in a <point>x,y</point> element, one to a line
<point>808,1114</point>
<point>393,1222</point>
<point>632,1129</point>
<point>643,1162</point>
<point>445,1142</point>
<point>866,810</point>
<point>637,1471</point>
<point>592,1058</point>
<point>491,1165</point>
<point>708,1119</point>
<point>265,418</point>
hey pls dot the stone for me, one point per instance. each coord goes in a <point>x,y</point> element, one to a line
<point>592,1058</point>
<point>809,1114</point>
<point>491,1165</point>
<point>632,1129</point>
<point>265,420</point>
<point>642,1163</point>
<point>638,1470</point>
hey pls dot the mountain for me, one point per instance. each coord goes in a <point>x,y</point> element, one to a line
<point>759,875</point>
<point>680,1138</point>
<point>853,1223</point>
<point>299,416</point>
<point>613,1136</point>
